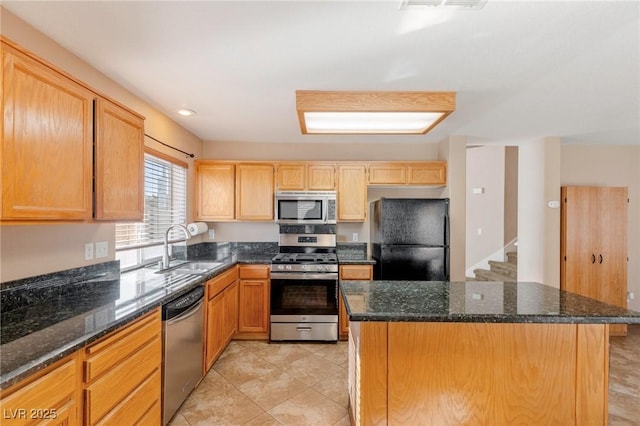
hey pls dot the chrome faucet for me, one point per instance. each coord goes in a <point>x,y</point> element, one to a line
<point>165,255</point>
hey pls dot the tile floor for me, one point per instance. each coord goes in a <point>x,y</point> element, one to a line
<point>261,384</point>
<point>624,379</point>
<point>257,383</point>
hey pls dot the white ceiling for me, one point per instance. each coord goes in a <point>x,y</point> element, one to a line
<point>522,70</point>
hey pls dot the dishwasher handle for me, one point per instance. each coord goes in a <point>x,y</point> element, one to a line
<point>194,309</point>
<point>182,304</point>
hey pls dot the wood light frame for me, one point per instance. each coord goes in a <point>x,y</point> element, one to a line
<point>375,102</point>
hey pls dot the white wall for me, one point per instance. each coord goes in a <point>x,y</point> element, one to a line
<point>28,250</point>
<point>485,211</point>
<point>539,225</point>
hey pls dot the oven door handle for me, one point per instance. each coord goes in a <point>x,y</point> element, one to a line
<point>329,276</point>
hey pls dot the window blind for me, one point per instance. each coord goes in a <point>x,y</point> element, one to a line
<point>165,203</point>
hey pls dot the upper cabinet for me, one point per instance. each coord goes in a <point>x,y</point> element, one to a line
<point>305,176</point>
<point>254,192</point>
<point>228,191</point>
<point>49,130</point>
<point>119,163</point>
<point>215,191</point>
<point>47,143</point>
<point>403,173</point>
<point>352,193</point>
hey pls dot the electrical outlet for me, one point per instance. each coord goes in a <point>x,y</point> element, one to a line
<point>212,234</point>
<point>630,295</point>
<point>102,249</point>
<point>88,251</point>
<point>354,237</point>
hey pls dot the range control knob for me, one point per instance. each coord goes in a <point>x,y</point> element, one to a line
<point>280,267</point>
<point>288,267</point>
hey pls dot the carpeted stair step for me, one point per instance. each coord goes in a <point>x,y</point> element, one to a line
<point>512,257</point>
<point>504,268</point>
<point>485,275</point>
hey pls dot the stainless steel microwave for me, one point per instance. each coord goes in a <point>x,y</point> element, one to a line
<point>295,207</point>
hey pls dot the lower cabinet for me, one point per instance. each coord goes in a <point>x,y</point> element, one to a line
<point>221,314</point>
<point>122,375</point>
<point>253,306</point>
<point>349,273</point>
<point>51,396</point>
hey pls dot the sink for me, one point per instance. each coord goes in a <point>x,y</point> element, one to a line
<point>197,268</point>
<point>190,268</point>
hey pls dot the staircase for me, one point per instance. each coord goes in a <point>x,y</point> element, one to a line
<point>499,271</point>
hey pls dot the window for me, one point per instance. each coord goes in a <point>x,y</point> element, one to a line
<point>165,203</point>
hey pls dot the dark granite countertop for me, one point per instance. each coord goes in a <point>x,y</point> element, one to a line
<point>38,330</point>
<point>491,302</point>
<point>353,253</point>
<point>355,260</point>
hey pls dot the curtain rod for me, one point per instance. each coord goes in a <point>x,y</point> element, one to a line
<point>169,146</point>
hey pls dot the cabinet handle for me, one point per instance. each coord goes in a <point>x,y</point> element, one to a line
<point>593,258</point>
<point>303,328</point>
<point>601,258</point>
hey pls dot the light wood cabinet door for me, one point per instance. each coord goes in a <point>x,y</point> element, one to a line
<point>253,300</point>
<point>352,193</point>
<point>215,191</point>
<point>231,311</point>
<point>291,177</point>
<point>119,163</point>
<point>254,192</point>
<point>221,315</point>
<point>215,329</point>
<point>387,174</point>
<point>321,177</point>
<point>51,396</point>
<point>305,176</point>
<point>403,173</point>
<point>594,244</point>
<point>434,173</point>
<point>47,143</point>
<point>351,272</point>
<point>123,374</point>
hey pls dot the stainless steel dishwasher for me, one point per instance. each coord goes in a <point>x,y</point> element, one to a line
<point>182,329</point>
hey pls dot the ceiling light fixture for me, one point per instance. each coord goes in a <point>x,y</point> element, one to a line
<point>186,112</point>
<point>322,112</point>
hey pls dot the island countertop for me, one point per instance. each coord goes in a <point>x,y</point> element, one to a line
<point>475,301</point>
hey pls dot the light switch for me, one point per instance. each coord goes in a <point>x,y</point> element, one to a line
<point>102,249</point>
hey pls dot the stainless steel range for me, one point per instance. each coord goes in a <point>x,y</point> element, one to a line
<point>304,285</point>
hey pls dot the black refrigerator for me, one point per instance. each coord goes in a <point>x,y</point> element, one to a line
<point>410,239</point>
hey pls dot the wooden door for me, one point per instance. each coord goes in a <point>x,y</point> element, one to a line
<point>253,306</point>
<point>215,191</point>
<point>321,177</point>
<point>611,270</point>
<point>47,143</point>
<point>119,163</point>
<point>254,192</point>
<point>215,329</point>
<point>387,174</point>
<point>231,311</point>
<point>427,173</point>
<point>352,193</point>
<point>291,177</point>
<point>578,258</point>
<point>594,244</point>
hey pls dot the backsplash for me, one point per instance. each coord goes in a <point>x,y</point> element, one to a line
<point>45,288</point>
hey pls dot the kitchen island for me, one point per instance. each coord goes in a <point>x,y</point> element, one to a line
<point>477,353</point>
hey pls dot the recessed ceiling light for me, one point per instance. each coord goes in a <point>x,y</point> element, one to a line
<point>372,112</point>
<point>186,112</point>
